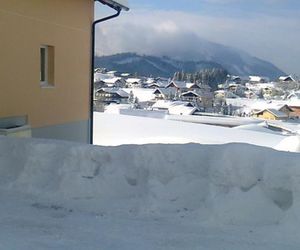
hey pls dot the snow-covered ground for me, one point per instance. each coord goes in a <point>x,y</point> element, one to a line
<point>59,195</point>
<point>115,129</point>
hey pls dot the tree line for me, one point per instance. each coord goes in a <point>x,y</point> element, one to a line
<point>212,77</point>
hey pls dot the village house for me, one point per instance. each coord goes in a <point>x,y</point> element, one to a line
<point>150,80</point>
<point>250,94</point>
<point>191,96</point>
<point>272,111</point>
<point>294,96</point>
<point>220,93</point>
<point>271,114</point>
<point>198,93</point>
<point>296,109</point>
<point>134,83</point>
<point>111,95</point>
<point>182,86</point>
<point>286,79</point>
<point>99,85</point>
<point>182,110</point>
<point>236,79</point>
<point>293,101</point>
<point>100,76</point>
<point>125,75</point>
<point>266,88</point>
<point>102,80</point>
<point>232,87</point>
<point>223,94</point>
<point>175,107</point>
<point>203,87</point>
<point>111,73</point>
<point>258,79</point>
<point>165,94</point>
<point>157,84</point>
<point>176,84</point>
<point>115,82</point>
<point>153,85</point>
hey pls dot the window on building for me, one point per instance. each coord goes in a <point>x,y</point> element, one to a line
<point>46,66</point>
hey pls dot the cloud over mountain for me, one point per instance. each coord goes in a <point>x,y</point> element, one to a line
<point>187,36</point>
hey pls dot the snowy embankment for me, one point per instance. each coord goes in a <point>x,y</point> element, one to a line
<point>73,196</point>
<point>115,129</point>
<point>225,121</point>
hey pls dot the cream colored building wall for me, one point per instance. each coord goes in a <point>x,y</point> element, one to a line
<point>25,26</point>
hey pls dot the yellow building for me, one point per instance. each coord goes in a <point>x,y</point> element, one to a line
<point>271,114</point>
<point>45,66</point>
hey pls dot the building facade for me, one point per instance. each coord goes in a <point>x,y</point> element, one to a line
<point>45,66</point>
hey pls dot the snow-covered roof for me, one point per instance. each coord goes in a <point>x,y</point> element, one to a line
<point>143,94</point>
<point>158,84</point>
<point>234,78</point>
<point>262,105</point>
<point>286,78</point>
<point>294,103</point>
<point>178,84</point>
<point>114,108</point>
<point>165,91</point>
<point>112,80</point>
<point>295,95</point>
<point>190,93</point>
<point>220,91</point>
<point>150,80</point>
<point>258,78</point>
<point>166,104</point>
<point>133,80</point>
<point>190,85</point>
<point>265,85</point>
<point>182,110</point>
<point>101,77</point>
<point>182,84</point>
<point>120,92</point>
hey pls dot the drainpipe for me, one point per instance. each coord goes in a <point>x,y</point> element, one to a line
<point>118,10</point>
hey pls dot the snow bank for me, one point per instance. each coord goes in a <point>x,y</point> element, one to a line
<point>114,130</point>
<point>234,184</point>
<point>291,144</point>
<point>126,109</point>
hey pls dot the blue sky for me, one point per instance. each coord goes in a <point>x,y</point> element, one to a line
<point>219,6</point>
<point>268,29</point>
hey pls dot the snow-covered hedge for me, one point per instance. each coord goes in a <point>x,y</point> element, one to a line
<point>235,184</point>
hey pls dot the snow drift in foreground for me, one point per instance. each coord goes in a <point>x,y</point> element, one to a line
<point>235,184</point>
<point>208,185</point>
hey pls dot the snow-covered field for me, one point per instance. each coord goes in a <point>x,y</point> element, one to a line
<point>59,195</point>
<point>115,129</point>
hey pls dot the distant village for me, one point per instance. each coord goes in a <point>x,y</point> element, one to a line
<point>254,96</point>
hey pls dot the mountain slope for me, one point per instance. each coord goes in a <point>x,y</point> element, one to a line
<point>206,55</point>
<point>150,65</point>
<point>236,61</point>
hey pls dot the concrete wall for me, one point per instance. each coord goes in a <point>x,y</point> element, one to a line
<point>75,131</point>
<point>25,26</point>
